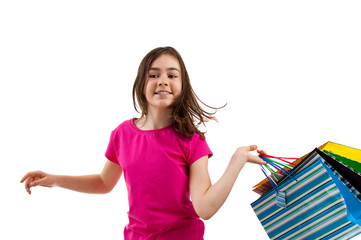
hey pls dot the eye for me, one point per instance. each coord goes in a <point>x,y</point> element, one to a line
<point>153,76</point>
<point>172,76</point>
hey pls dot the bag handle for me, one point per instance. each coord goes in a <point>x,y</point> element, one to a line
<point>280,166</point>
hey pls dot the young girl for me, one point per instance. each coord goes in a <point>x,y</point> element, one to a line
<point>163,155</point>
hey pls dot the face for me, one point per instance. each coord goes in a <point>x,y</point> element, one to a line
<point>164,83</point>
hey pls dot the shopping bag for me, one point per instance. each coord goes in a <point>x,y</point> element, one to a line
<point>347,160</point>
<point>342,150</point>
<point>350,178</point>
<point>319,204</point>
<point>341,176</point>
<point>352,155</point>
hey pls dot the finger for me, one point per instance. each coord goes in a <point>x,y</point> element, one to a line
<point>27,184</point>
<point>258,160</point>
<point>252,147</point>
<point>261,152</point>
<point>26,176</point>
<point>31,174</point>
<point>263,162</point>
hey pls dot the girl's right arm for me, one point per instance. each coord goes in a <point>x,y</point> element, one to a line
<point>96,183</point>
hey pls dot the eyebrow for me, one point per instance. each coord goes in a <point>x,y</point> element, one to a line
<point>158,69</point>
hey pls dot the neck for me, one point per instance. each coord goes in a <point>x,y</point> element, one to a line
<point>154,120</point>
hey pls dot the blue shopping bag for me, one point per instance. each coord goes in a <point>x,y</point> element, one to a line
<point>321,204</point>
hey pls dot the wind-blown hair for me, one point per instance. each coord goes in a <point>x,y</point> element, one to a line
<point>187,114</point>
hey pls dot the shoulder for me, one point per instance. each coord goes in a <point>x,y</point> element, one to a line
<point>122,129</point>
<point>194,142</point>
<point>125,125</point>
<point>196,137</point>
<point>198,148</point>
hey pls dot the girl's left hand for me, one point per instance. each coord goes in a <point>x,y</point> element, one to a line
<point>244,154</point>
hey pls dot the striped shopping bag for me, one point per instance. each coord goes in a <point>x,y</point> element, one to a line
<point>320,201</point>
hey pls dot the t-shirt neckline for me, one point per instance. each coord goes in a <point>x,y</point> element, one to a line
<point>148,131</point>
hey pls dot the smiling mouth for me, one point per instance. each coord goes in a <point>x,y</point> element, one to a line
<point>162,93</point>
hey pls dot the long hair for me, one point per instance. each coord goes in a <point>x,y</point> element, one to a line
<point>187,113</point>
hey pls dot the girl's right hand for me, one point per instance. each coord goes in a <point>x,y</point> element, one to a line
<point>38,178</point>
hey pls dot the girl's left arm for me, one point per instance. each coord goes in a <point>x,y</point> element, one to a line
<point>207,198</point>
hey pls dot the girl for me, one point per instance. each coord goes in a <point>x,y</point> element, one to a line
<point>163,155</point>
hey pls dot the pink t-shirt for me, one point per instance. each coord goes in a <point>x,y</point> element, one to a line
<point>156,171</point>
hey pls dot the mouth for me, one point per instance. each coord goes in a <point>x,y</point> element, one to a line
<point>163,93</point>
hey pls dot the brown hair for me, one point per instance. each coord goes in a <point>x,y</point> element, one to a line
<point>187,114</point>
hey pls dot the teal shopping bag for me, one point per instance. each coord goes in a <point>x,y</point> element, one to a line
<point>352,202</point>
<point>321,204</point>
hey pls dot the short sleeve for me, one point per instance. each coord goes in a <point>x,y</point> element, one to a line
<point>198,148</point>
<point>111,152</point>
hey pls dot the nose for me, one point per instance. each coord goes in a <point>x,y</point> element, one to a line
<point>162,82</point>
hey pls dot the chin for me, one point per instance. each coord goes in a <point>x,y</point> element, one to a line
<point>163,105</point>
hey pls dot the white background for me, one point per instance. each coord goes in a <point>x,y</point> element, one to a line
<point>287,69</point>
